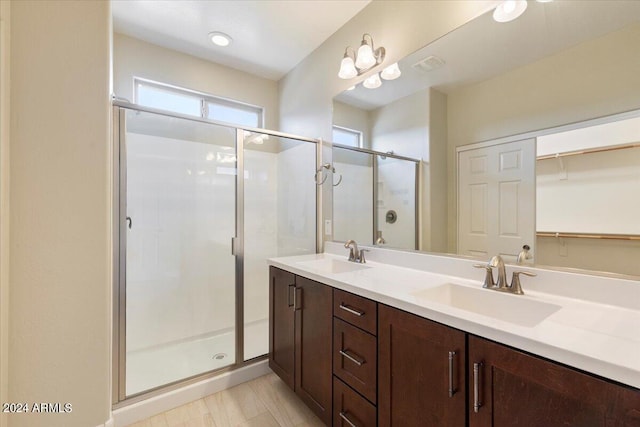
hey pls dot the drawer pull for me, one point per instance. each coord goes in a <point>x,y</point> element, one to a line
<point>476,387</point>
<point>344,417</point>
<point>353,359</point>
<point>452,390</point>
<point>351,310</point>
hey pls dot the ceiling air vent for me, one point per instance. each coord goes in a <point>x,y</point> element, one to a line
<point>429,63</point>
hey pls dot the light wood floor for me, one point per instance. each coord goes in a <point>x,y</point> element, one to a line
<point>263,402</point>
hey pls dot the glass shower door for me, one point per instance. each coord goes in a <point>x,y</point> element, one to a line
<point>180,271</point>
<point>279,219</point>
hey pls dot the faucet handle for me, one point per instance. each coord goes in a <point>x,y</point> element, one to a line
<point>516,287</point>
<point>488,278</point>
<point>362,259</point>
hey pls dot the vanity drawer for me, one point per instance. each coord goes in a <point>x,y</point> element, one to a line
<point>358,311</point>
<point>350,405</point>
<point>355,358</point>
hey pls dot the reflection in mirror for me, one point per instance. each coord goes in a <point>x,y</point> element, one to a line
<point>375,201</point>
<point>588,182</point>
<point>353,197</point>
<point>560,63</point>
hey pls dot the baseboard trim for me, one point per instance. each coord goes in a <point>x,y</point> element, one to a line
<point>163,402</point>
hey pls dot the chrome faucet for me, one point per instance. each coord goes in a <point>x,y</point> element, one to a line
<point>355,255</point>
<point>524,254</point>
<point>498,262</point>
<point>501,285</point>
<point>380,240</point>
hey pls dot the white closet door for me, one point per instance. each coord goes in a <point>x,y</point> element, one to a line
<point>496,199</point>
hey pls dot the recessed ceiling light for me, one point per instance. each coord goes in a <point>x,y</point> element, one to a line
<point>220,39</point>
<point>509,10</point>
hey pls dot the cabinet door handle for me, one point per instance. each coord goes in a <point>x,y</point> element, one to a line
<point>295,298</point>
<point>351,310</point>
<point>344,417</point>
<point>291,293</point>
<point>352,358</point>
<point>476,387</point>
<point>452,390</point>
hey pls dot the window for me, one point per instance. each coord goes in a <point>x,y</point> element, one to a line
<point>184,101</point>
<point>345,136</point>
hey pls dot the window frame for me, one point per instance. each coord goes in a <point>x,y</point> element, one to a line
<point>205,99</point>
<point>351,131</point>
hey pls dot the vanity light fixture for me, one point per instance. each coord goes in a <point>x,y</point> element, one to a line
<point>354,64</point>
<point>508,10</point>
<point>220,39</point>
<point>372,82</point>
<point>392,72</point>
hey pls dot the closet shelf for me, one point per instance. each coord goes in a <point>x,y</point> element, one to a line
<point>589,235</point>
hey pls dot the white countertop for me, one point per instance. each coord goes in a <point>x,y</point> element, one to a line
<point>603,339</point>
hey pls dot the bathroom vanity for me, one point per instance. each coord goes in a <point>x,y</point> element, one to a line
<point>397,342</point>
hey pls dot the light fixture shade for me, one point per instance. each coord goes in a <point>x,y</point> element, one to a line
<point>392,72</point>
<point>347,68</point>
<point>365,58</point>
<point>509,10</point>
<point>372,81</point>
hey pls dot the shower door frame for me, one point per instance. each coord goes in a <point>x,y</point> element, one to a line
<point>418,192</point>
<point>119,226</point>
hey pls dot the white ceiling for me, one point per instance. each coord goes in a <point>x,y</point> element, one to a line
<point>270,37</point>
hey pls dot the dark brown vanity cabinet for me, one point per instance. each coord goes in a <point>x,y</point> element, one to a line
<point>355,356</point>
<point>421,377</point>
<point>300,335</point>
<point>511,388</point>
<point>393,368</point>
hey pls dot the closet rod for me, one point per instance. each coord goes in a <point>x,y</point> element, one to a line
<point>589,236</point>
<point>589,151</point>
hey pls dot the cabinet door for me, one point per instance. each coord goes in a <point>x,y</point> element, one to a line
<point>517,389</point>
<point>313,346</point>
<point>420,378</point>
<point>281,326</point>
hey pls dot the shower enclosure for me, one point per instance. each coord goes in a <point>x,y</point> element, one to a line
<point>376,199</point>
<point>200,206</point>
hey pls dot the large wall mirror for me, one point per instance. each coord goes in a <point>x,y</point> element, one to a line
<point>551,100</point>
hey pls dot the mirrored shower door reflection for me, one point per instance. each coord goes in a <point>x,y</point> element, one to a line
<point>180,271</point>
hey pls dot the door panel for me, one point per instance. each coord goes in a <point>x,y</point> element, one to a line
<point>496,199</point>
<point>180,272</point>
<point>281,328</point>
<point>313,346</point>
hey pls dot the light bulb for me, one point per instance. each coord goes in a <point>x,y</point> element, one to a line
<point>347,68</point>
<point>509,10</point>
<point>365,58</point>
<point>220,39</point>
<point>392,72</point>
<point>372,82</point>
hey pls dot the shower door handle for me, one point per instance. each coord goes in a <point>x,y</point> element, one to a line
<point>233,246</point>
<point>129,221</point>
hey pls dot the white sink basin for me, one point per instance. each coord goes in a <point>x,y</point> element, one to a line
<point>509,308</point>
<point>333,266</point>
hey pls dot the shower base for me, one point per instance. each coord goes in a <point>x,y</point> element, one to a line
<point>157,366</point>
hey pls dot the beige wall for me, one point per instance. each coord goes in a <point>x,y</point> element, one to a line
<point>136,58</point>
<point>594,79</point>
<point>353,118</point>
<point>60,211</point>
<point>436,204</point>
<point>5,53</point>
